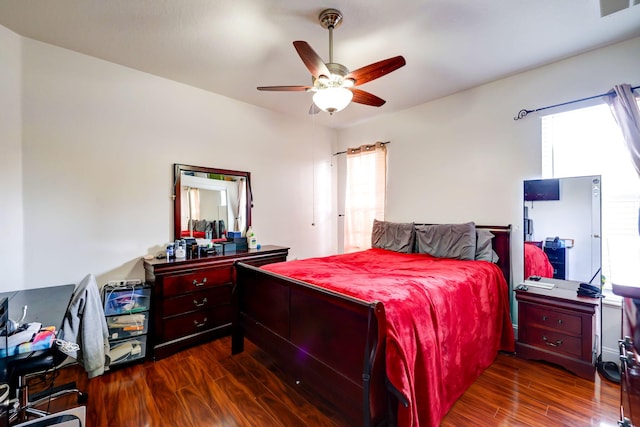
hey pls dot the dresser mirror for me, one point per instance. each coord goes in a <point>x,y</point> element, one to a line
<point>207,200</point>
<point>562,229</point>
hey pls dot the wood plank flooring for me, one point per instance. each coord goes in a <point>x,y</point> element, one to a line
<point>206,386</point>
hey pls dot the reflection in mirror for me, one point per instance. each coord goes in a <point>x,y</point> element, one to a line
<point>210,202</point>
<point>562,229</point>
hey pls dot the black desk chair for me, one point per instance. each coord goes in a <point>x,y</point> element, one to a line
<point>20,370</point>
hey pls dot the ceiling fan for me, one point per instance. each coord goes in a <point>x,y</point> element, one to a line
<point>332,83</point>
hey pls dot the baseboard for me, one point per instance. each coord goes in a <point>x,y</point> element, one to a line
<point>611,355</point>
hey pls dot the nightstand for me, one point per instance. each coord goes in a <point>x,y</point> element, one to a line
<point>557,326</point>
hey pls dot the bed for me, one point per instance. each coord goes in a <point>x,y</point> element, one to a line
<point>536,261</point>
<point>389,337</point>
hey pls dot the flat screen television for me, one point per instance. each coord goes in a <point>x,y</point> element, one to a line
<point>542,189</point>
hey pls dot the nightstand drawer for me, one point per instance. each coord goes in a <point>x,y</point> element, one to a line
<point>193,323</point>
<point>197,280</point>
<point>554,341</point>
<point>197,301</point>
<point>555,320</point>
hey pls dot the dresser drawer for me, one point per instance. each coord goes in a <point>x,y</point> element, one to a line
<point>554,341</point>
<point>543,317</point>
<point>197,301</point>
<point>195,322</point>
<point>196,280</point>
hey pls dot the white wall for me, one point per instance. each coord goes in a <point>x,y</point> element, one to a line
<point>11,242</point>
<point>98,144</point>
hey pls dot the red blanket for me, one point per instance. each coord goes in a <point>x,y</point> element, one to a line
<point>446,320</point>
<point>536,262</point>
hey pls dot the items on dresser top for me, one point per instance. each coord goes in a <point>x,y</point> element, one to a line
<point>191,299</point>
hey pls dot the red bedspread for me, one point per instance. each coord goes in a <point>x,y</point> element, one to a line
<point>446,319</point>
<point>536,262</point>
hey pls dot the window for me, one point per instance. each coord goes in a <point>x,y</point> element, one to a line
<point>588,141</point>
<point>365,194</point>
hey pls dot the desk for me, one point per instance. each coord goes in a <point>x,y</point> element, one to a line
<point>47,306</point>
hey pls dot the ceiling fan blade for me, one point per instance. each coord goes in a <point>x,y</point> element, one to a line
<point>285,88</point>
<point>314,109</point>
<point>311,59</point>
<point>366,98</point>
<point>376,70</point>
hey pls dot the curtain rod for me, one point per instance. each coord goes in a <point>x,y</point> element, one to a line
<point>343,152</point>
<point>523,113</point>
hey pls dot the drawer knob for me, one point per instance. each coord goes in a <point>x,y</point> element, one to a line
<point>559,321</point>
<point>198,284</point>
<point>201,324</point>
<point>552,344</point>
<point>544,318</point>
<point>200,304</point>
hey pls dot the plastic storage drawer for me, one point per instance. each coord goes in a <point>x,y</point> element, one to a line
<point>128,325</point>
<point>126,301</point>
<point>128,350</point>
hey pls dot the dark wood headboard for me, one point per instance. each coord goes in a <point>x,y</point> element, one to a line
<point>502,245</point>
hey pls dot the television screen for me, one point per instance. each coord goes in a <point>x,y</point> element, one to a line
<point>542,189</point>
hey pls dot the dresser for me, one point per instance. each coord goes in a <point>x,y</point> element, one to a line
<point>191,299</point>
<point>557,326</point>
<point>629,356</point>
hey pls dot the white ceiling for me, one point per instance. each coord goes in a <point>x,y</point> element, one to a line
<point>231,46</point>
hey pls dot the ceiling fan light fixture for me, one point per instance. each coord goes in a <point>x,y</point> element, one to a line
<point>332,99</point>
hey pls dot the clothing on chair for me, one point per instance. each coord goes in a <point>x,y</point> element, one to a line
<point>85,324</point>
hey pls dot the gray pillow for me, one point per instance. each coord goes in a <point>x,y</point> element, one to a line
<point>394,236</point>
<point>484,250</point>
<point>201,225</point>
<point>456,241</point>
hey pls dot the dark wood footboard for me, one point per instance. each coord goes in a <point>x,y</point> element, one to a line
<point>331,342</point>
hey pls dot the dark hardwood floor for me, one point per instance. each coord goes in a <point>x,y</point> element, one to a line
<point>206,386</point>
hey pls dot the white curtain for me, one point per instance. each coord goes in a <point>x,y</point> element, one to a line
<point>624,107</point>
<point>240,206</point>
<point>365,194</point>
<point>193,195</point>
<point>625,110</point>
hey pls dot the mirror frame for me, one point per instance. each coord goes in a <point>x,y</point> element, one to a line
<point>177,182</point>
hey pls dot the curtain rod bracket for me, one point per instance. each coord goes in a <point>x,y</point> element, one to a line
<point>522,114</point>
